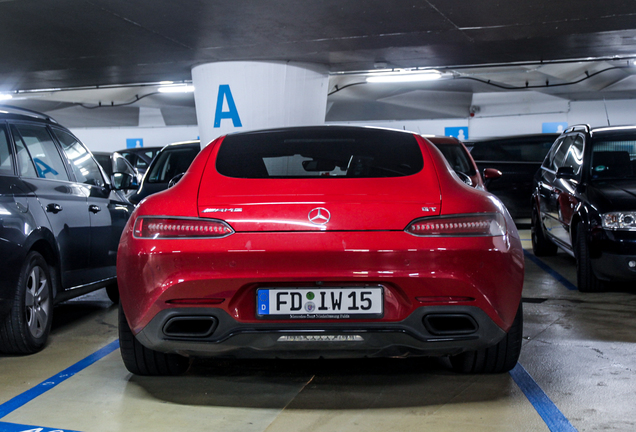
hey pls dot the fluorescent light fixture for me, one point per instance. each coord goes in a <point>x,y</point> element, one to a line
<point>5,97</point>
<point>182,88</point>
<point>406,76</point>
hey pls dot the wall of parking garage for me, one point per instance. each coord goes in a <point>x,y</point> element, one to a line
<point>517,113</point>
<point>112,139</point>
<point>497,114</point>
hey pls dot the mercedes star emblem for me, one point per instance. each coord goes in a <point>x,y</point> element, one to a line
<point>319,216</point>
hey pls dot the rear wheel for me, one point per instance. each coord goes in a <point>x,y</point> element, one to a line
<point>586,280</point>
<point>26,328</point>
<point>541,246</point>
<point>112,291</point>
<point>501,357</point>
<point>144,361</point>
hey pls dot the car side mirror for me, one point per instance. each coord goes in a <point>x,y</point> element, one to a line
<point>124,181</point>
<point>492,173</point>
<point>173,181</point>
<point>565,172</point>
<point>464,177</point>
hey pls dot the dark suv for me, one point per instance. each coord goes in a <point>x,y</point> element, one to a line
<point>518,158</point>
<point>584,202</point>
<point>60,223</point>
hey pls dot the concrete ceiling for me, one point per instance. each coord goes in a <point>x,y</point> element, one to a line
<point>576,50</point>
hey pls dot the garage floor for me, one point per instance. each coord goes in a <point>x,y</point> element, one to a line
<point>577,372</point>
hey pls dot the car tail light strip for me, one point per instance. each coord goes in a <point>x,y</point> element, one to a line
<point>469,225</point>
<point>166,228</point>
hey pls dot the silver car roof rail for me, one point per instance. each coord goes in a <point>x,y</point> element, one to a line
<point>11,109</point>
<point>578,128</point>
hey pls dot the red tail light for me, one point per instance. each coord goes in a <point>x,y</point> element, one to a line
<point>468,225</point>
<point>162,228</point>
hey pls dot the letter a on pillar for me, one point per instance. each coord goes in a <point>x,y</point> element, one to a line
<point>226,94</point>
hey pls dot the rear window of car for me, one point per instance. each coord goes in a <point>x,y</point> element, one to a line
<point>526,150</point>
<point>320,153</point>
<point>614,157</point>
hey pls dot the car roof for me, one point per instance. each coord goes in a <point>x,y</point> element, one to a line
<point>440,139</point>
<point>517,137</point>
<point>9,112</point>
<point>195,143</point>
<point>611,130</point>
<point>139,149</point>
<point>324,127</point>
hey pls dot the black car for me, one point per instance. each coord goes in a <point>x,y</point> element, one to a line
<point>518,158</point>
<point>60,223</point>
<point>114,164</point>
<point>168,166</point>
<point>140,157</point>
<point>584,202</point>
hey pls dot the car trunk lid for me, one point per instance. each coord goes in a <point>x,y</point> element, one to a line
<point>320,204</point>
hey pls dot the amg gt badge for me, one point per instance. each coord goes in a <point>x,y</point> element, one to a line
<point>222,210</point>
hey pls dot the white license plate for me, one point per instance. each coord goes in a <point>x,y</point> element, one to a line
<point>320,303</point>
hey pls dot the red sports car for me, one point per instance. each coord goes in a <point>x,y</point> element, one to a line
<point>322,241</point>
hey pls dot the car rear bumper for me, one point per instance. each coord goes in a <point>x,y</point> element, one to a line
<point>428,331</point>
<point>484,272</point>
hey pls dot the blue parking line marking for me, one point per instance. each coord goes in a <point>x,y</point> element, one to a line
<point>14,427</point>
<point>46,385</point>
<point>551,415</point>
<point>546,268</point>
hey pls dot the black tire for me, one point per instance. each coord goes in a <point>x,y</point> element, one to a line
<point>144,361</point>
<point>26,327</point>
<point>112,291</point>
<point>586,280</point>
<point>541,246</point>
<point>499,358</point>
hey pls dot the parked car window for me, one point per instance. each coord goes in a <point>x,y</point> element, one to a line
<point>43,151</point>
<point>140,158</point>
<point>84,167</point>
<point>326,154</point>
<point>529,150</point>
<point>574,154</point>
<point>170,163</point>
<point>142,164</point>
<point>457,159</point>
<point>561,152</point>
<point>121,166</point>
<point>6,163</point>
<point>25,164</point>
<point>549,158</point>
<point>614,158</point>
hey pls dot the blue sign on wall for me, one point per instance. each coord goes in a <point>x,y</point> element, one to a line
<point>461,133</point>
<point>134,142</point>
<point>552,127</point>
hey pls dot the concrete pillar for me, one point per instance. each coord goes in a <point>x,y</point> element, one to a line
<point>244,96</point>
